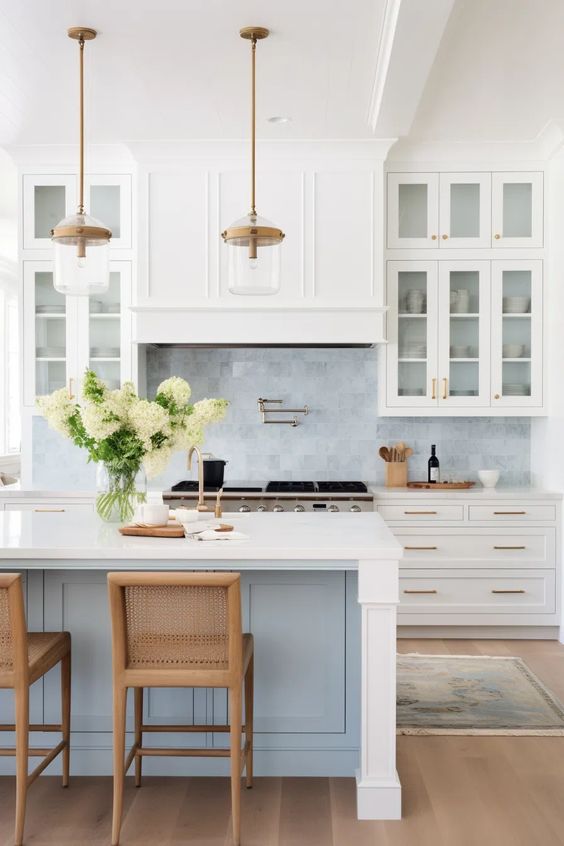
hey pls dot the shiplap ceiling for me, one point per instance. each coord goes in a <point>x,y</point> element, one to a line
<point>177,69</point>
<point>437,70</point>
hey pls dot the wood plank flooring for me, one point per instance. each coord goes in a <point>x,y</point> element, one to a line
<point>457,791</point>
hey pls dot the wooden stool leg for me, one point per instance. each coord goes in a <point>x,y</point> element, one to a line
<point>120,701</point>
<point>235,737</point>
<point>66,713</point>
<point>138,693</point>
<point>249,695</point>
<point>22,747</point>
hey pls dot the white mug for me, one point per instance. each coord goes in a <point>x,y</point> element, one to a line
<point>151,514</point>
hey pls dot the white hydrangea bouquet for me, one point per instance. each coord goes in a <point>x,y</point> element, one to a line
<point>125,434</point>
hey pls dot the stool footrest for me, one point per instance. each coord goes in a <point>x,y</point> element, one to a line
<point>200,729</point>
<point>176,752</point>
<point>33,727</point>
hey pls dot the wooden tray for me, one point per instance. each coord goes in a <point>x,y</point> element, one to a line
<point>441,486</point>
<point>152,531</point>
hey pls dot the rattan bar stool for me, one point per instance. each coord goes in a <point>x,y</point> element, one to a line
<point>24,658</point>
<point>180,630</point>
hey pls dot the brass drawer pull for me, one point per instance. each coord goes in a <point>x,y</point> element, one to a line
<point>420,512</point>
<point>509,512</point>
<point>420,591</point>
<point>420,547</point>
<point>434,388</point>
<point>57,510</point>
<point>510,547</point>
<point>508,591</point>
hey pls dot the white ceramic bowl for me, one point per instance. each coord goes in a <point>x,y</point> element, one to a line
<point>513,350</point>
<point>488,478</point>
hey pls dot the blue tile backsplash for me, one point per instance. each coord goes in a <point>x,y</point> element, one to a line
<point>339,439</point>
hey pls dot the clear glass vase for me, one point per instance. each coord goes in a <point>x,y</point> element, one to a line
<point>118,492</point>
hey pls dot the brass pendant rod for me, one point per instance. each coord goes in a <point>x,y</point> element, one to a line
<point>81,130</point>
<point>253,123</point>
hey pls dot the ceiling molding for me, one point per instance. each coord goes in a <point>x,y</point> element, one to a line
<point>385,47</point>
<point>409,40</point>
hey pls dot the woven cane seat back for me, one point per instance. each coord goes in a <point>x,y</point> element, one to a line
<point>6,637</point>
<point>176,626</point>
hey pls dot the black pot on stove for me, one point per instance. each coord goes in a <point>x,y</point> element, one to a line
<point>214,470</point>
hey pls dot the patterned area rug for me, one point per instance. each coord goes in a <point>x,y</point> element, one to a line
<point>459,694</point>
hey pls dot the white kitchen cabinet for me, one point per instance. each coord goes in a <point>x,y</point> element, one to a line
<point>46,200</point>
<point>49,333</point>
<point>517,210</point>
<point>64,335</point>
<point>413,210</point>
<point>411,352</point>
<point>465,210</point>
<point>108,198</point>
<point>457,342</point>
<point>464,334</point>
<point>517,336</point>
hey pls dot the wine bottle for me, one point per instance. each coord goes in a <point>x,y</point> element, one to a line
<point>433,473</point>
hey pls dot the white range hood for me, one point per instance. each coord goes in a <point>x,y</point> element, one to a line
<point>256,326</point>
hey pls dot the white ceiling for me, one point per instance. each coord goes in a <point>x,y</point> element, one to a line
<point>177,69</point>
<point>498,74</point>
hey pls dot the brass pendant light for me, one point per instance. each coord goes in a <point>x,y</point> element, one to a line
<point>81,243</point>
<point>253,242</point>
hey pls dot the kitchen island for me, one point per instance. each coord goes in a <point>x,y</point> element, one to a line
<point>325,673</point>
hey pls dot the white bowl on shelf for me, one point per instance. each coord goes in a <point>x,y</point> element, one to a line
<point>50,352</point>
<point>516,305</point>
<point>488,478</point>
<point>50,309</point>
<point>104,352</point>
<point>516,390</point>
<point>513,350</point>
<point>459,351</point>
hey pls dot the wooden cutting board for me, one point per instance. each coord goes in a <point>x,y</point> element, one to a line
<point>441,486</point>
<point>152,531</point>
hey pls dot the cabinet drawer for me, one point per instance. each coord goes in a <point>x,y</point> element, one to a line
<point>421,513</point>
<point>511,513</point>
<point>47,507</point>
<point>484,547</point>
<point>463,592</point>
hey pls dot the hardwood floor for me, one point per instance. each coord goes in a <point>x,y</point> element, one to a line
<point>457,791</point>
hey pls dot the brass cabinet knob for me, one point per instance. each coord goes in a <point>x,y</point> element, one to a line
<point>497,237</point>
<point>496,396</point>
<point>445,237</point>
<point>433,237</point>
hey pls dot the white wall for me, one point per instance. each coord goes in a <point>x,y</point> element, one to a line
<point>547,433</point>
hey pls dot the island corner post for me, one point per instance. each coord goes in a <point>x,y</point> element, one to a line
<point>378,787</point>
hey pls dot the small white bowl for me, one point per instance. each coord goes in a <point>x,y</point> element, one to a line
<point>488,478</point>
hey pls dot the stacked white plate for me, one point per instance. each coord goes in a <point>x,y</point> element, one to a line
<point>50,352</point>
<point>516,305</point>
<point>460,351</point>
<point>516,390</point>
<point>414,350</point>
<point>50,309</point>
<point>411,392</point>
<point>104,352</point>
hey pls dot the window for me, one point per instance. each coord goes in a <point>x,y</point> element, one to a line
<point>10,423</point>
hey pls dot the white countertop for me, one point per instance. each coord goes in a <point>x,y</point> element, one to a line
<point>293,538</point>
<point>478,492</point>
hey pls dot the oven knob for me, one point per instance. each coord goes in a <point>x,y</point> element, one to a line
<point>262,508</point>
<point>299,508</point>
<point>355,508</point>
<point>244,509</point>
<point>333,508</point>
<point>278,508</point>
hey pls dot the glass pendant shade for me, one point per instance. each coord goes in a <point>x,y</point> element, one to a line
<point>254,256</point>
<point>82,256</point>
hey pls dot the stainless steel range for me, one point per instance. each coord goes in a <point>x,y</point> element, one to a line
<point>277,496</point>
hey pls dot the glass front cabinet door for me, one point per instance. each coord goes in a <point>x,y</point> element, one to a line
<point>46,201</point>
<point>49,324</point>
<point>108,199</point>
<point>517,353</point>
<point>517,209</point>
<point>412,334</point>
<point>465,210</point>
<point>464,334</point>
<point>413,210</point>
<point>104,336</point>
